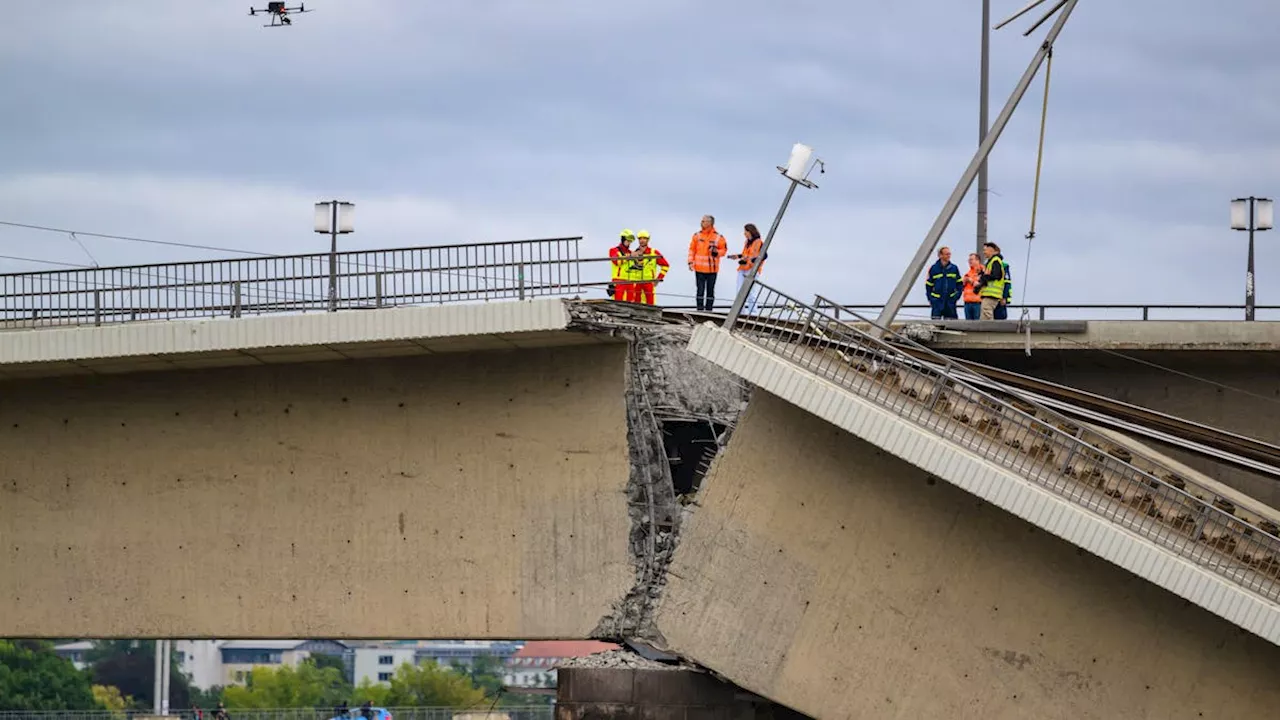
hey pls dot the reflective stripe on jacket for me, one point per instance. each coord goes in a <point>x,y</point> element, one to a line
<point>943,282</point>
<point>620,266</point>
<point>650,266</point>
<point>705,250</point>
<point>993,286</point>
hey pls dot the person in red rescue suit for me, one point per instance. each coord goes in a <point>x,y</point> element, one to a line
<point>649,267</point>
<point>619,281</point>
<point>705,250</point>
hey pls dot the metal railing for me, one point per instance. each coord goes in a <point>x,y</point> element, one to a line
<point>1079,311</point>
<point>397,713</point>
<point>374,279</point>
<point>1039,444</point>
<point>294,283</point>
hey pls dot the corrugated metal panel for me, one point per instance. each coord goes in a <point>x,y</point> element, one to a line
<point>187,336</point>
<point>992,483</point>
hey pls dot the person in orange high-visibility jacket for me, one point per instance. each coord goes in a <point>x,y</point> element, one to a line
<point>751,248</point>
<point>705,250</point>
<point>649,267</point>
<point>972,303</point>
<point>620,286</point>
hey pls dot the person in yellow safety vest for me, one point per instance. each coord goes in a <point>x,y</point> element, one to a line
<point>649,267</point>
<point>992,282</point>
<point>619,288</point>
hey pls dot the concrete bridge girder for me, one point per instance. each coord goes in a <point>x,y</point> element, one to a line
<point>485,486</point>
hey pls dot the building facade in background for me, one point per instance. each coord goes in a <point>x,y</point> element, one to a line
<point>210,663</point>
<point>534,665</point>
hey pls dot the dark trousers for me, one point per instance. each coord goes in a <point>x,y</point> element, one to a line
<point>941,309</point>
<point>973,310</point>
<point>1002,312</point>
<point>706,292</point>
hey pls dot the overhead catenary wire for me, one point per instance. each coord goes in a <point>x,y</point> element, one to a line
<point>127,238</point>
<point>1180,373</point>
<point>38,261</point>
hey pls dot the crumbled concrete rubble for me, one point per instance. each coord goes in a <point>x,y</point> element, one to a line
<point>920,332</point>
<point>665,382</point>
<point>622,659</point>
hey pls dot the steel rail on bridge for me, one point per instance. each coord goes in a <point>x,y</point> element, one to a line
<point>1033,441</point>
<point>431,274</point>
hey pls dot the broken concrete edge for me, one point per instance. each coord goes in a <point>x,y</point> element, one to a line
<point>664,382</point>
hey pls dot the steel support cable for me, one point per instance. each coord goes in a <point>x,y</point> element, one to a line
<point>1025,320</point>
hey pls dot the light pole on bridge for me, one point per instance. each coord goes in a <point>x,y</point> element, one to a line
<point>799,165</point>
<point>1251,213</point>
<point>334,218</point>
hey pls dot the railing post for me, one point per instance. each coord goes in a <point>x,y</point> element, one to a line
<point>939,389</point>
<point>377,289</point>
<point>1071,451</point>
<point>520,280</point>
<point>235,299</point>
<point>1042,312</point>
<point>97,307</point>
<point>1145,313</point>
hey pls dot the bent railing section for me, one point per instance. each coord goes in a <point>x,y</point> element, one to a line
<point>1039,444</point>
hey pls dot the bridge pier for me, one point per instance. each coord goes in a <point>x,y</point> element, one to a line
<point>587,693</point>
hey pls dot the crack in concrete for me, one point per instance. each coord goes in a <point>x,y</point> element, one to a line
<point>664,382</point>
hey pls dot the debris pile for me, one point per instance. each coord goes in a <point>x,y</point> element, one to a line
<point>620,659</point>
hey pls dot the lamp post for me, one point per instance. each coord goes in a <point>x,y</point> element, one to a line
<point>161,686</point>
<point>334,218</point>
<point>984,83</point>
<point>1063,9</point>
<point>800,164</point>
<point>1251,213</point>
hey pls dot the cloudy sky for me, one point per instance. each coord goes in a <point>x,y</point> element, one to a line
<point>455,121</point>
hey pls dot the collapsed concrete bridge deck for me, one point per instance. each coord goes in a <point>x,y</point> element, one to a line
<point>499,471</point>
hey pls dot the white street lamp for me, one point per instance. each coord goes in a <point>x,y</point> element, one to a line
<point>1251,213</point>
<point>334,218</point>
<point>797,170</point>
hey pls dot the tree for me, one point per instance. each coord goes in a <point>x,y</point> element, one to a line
<point>430,684</point>
<point>487,673</point>
<point>33,677</point>
<point>130,666</point>
<point>109,698</point>
<point>324,660</point>
<point>286,687</point>
<point>206,698</point>
<point>376,694</point>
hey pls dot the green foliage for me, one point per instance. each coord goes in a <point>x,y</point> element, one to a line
<point>206,698</point>
<point>109,698</point>
<point>32,677</point>
<point>430,684</point>
<point>328,661</point>
<point>376,694</point>
<point>284,687</point>
<point>487,673</point>
<point>130,665</point>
